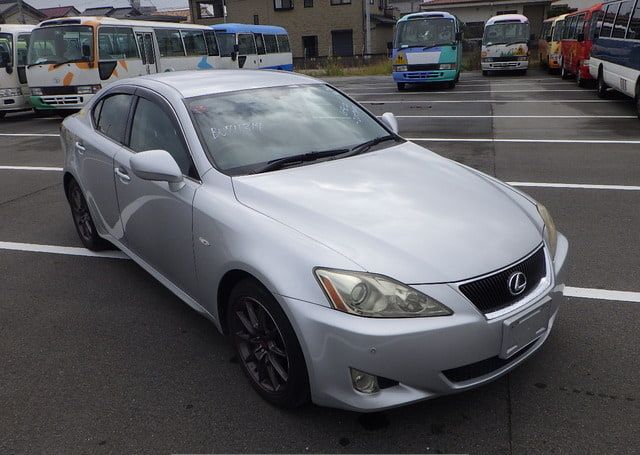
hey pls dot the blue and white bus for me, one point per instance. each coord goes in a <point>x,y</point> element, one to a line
<point>254,46</point>
<point>427,48</point>
<point>615,55</point>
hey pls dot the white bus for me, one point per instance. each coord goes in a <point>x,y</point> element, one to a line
<point>14,93</point>
<point>71,58</point>
<point>505,44</point>
<point>250,46</point>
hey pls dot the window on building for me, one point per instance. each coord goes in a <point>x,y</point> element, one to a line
<point>256,19</point>
<point>115,43</point>
<point>342,42</point>
<point>340,2</point>
<point>280,5</point>
<point>634,25</point>
<point>194,42</point>
<point>607,22</point>
<point>270,44</point>
<point>169,43</point>
<point>308,3</point>
<point>283,43</point>
<point>246,44</point>
<point>205,10</point>
<point>622,20</point>
<point>212,44</point>
<point>309,46</point>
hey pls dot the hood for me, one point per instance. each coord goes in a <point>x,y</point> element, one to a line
<point>403,211</point>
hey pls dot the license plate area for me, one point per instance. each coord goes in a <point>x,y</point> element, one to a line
<point>520,330</point>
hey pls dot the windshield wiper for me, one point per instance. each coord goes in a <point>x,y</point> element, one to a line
<point>366,146</point>
<point>495,44</point>
<point>280,163</point>
<point>75,60</point>
<point>46,62</point>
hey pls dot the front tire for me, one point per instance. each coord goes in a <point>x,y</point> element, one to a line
<point>82,220</point>
<point>485,72</point>
<point>638,98</point>
<point>402,86</point>
<point>267,347</point>
<point>451,84</point>
<point>602,85</point>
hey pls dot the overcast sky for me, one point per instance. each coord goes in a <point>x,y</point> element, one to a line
<point>81,5</point>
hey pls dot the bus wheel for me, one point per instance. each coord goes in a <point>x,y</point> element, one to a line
<point>638,98</point>
<point>451,84</point>
<point>602,86</point>
<point>2,114</point>
<point>402,86</point>
<point>485,72</point>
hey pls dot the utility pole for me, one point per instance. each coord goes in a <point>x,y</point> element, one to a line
<point>367,26</point>
<point>20,12</point>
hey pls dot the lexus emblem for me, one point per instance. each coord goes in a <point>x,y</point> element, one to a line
<point>517,282</point>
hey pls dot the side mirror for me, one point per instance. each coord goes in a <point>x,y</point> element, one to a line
<point>390,121</point>
<point>159,166</point>
<point>580,37</point>
<point>458,36</point>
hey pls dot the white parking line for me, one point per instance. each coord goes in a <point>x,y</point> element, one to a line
<point>602,294</point>
<point>587,293</point>
<point>540,141</point>
<point>487,101</point>
<point>30,168</point>
<point>29,135</point>
<point>66,250</point>
<point>454,92</point>
<point>521,116</point>
<point>582,186</point>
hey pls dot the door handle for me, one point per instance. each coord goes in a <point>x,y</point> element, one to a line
<point>80,148</point>
<point>122,175</point>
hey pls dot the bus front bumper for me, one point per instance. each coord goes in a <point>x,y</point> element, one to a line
<point>14,103</point>
<point>60,101</point>
<point>505,66</point>
<point>417,77</point>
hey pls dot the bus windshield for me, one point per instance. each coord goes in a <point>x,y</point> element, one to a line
<point>425,32</point>
<point>226,41</point>
<point>6,49</point>
<point>557,31</point>
<point>506,33</point>
<point>63,44</point>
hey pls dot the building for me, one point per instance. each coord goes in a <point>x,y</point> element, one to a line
<point>132,12</point>
<point>59,11</point>
<point>10,13</point>
<point>474,13</point>
<point>183,14</point>
<point>317,28</point>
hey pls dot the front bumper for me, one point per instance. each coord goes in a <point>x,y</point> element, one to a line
<point>413,352</point>
<point>14,103</point>
<point>505,66</point>
<point>74,101</point>
<point>418,77</point>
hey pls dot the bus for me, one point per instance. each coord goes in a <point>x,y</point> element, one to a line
<point>14,92</point>
<point>71,58</point>
<point>249,46</point>
<point>427,48</point>
<point>549,42</point>
<point>615,55</point>
<point>505,44</point>
<point>575,47</point>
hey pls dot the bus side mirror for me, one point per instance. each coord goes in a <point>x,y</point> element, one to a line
<point>580,37</point>
<point>458,36</point>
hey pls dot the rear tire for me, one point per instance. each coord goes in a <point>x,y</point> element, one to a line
<point>451,84</point>
<point>82,219</point>
<point>638,98</point>
<point>267,347</point>
<point>602,86</point>
<point>564,74</point>
<point>402,86</point>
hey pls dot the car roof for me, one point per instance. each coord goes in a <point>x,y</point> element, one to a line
<point>210,82</point>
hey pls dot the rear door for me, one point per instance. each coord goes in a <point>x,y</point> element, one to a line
<point>262,53</point>
<point>147,51</point>
<point>247,51</point>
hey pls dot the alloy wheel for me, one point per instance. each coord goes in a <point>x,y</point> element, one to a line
<point>81,214</point>
<point>260,345</point>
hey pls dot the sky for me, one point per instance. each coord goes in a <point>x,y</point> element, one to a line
<point>81,5</point>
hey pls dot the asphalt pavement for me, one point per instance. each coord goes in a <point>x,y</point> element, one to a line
<point>98,357</point>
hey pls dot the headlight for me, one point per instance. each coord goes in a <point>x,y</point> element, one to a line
<point>487,59</point>
<point>36,91</point>
<point>88,89</point>
<point>448,66</point>
<point>523,59</point>
<point>376,296</point>
<point>550,232</point>
<point>400,68</point>
<point>11,91</point>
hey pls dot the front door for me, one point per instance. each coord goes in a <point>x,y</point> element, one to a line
<point>147,51</point>
<point>247,51</point>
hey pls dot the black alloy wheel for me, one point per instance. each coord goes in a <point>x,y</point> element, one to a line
<point>602,86</point>
<point>83,221</point>
<point>267,347</point>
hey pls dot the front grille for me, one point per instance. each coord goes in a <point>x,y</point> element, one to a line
<point>62,90</point>
<point>483,367</point>
<point>62,100</point>
<point>491,293</point>
<point>509,58</point>
<point>431,75</point>
<point>425,67</point>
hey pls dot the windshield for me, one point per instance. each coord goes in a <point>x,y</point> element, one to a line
<point>226,41</point>
<point>244,130</point>
<point>558,29</point>
<point>506,33</point>
<point>60,44</point>
<point>6,47</point>
<point>425,32</point>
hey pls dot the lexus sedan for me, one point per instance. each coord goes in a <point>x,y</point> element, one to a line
<point>348,265</point>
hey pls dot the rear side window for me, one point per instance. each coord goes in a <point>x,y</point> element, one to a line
<point>634,25</point>
<point>557,31</point>
<point>283,43</point>
<point>212,44</point>
<point>112,120</point>
<point>580,26</point>
<point>620,26</point>
<point>607,22</point>
<point>194,42</point>
<point>259,43</point>
<point>246,44</point>
<point>115,43</point>
<point>270,44</point>
<point>169,43</point>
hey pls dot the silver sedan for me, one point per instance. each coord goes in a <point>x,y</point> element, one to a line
<point>347,265</point>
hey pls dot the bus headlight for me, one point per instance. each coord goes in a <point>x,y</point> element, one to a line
<point>448,66</point>
<point>523,59</point>
<point>400,68</point>
<point>11,91</point>
<point>88,89</point>
<point>36,91</point>
<point>487,59</point>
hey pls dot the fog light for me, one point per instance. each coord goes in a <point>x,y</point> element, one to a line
<point>400,68</point>
<point>364,382</point>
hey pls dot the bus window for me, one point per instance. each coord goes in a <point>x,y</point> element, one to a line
<point>246,44</point>
<point>580,26</point>
<point>620,27</point>
<point>259,43</point>
<point>6,49</point>
<point>596,24</point>
<point>62,44</point>
<point>22,47</point>
<point>607,22</point>
<point>283,43</point>
<point>571,30</point>
<point>558,30</point>
<point>270,44</point>
<point>194,42</point>
<point>212,44</point>
<point>115,43</point>
<point>634,25</point>
<point>169,43</point>
<point>226,41</point>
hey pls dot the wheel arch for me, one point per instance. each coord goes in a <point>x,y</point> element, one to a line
<point>66,181</point>
<point>225,286</point>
